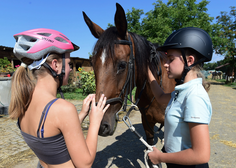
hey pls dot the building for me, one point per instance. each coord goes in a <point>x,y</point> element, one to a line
<point>76,61</point>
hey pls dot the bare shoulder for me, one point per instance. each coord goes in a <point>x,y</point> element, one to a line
<point>64,109</point>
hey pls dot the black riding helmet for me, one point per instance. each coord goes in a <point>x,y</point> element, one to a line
<point>190,37</point>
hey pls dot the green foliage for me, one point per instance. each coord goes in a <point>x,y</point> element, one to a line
<point>225,37</point>
<point>5,65</point>
<point>76,94</point>
<point>133,18</point>
<point>68,88</point>
<point>225,33</point>
<point>160,22</point>
<point>226,83</point>
<point>87,81</point>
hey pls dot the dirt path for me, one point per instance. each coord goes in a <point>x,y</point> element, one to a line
<point>222,126</point>
<point>124,150</point>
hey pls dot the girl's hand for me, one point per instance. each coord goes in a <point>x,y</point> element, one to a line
<point>86,105</point>
<point>98,111</point>
<point>154,156</point>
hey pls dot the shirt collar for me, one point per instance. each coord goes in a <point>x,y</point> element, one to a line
<point>180,90</point>
<point>188,84</point>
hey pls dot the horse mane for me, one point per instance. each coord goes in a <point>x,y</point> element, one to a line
<point>108,40</point>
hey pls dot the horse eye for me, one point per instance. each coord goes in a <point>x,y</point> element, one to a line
<point>121,67</point>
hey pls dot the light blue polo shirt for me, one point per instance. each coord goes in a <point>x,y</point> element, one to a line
<point>189,103</point>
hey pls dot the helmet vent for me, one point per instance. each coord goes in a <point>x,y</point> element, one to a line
<point>45,34</point>
<point>61,40</point>
<point>64,36</point>
<point>25,47</point>
<point>33,40</point>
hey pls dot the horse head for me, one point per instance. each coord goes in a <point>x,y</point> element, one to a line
<point>110,63</point>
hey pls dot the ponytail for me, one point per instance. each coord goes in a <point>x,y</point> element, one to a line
<point>22,87</point>
<point>205,84</point>
<point>198,68</point>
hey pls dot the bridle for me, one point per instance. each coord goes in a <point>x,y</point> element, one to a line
<point>130,79</point>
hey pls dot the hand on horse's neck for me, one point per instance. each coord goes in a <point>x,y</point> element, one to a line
<point>190,76</point>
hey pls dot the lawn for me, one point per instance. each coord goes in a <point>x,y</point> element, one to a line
<point>77,94</point>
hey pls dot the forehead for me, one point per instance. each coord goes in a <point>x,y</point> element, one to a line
<point>120,52</point>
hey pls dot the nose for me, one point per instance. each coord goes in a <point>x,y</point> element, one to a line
<point>104,129</point>
<point>166,64</point>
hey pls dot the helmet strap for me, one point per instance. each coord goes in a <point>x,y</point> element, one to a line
<point>187,68</point>
<point>60,76</point>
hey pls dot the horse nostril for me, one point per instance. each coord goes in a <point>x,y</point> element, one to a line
<point>104,129</point>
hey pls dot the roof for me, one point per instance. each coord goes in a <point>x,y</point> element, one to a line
<point>221,66</point>
<point>80,58</point>
<point>4,48</point>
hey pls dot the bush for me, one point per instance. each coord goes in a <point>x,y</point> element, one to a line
<point>87,81</point>
<point>68,88</point>
<point>5,66</point>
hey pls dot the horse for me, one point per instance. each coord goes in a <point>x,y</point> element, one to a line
<point>120,61</point>
<point>216,75</point>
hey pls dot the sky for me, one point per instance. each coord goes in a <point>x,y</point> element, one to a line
<point>66,17</point>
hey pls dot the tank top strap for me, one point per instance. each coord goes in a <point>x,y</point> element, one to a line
<point>43,118</point>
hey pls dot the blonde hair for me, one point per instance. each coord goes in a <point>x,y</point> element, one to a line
<point>198,68</point>
<point>22,86</point>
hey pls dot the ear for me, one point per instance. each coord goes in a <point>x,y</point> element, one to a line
<point>190,60</point>
<point>120,21</point>
<point>94,28</point>
<point>55,65</point>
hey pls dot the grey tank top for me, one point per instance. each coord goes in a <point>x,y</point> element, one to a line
<point>51,150</point>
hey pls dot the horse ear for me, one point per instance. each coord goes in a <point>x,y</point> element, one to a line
<point>120,21</point>
<point>94,28</point>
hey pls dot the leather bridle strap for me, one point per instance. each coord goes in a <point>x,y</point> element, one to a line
<point>130,76</point>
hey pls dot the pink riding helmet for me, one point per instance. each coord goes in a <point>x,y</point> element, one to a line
<point>36,43</point>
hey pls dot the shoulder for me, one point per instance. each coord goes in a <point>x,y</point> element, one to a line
<point>198,106</point>
<point>64,110</point>
<point>64,105</point>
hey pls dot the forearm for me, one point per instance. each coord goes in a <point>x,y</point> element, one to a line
<point>81,117</point>
<point>157,91</point>
<point>185,157</point>
<point>92,139</point>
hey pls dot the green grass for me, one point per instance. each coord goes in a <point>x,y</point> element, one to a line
<point>233,84</point>
<point>78,95</point>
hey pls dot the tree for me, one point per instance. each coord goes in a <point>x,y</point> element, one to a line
<point>134,21</point>
<point>166,18</point>
<point>225,36</point>
<point>133,18</point>
<point>159,23</point>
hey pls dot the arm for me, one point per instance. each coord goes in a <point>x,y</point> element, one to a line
<point>161,97</point>
<point>82,151</point>
<point>198,154</point>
